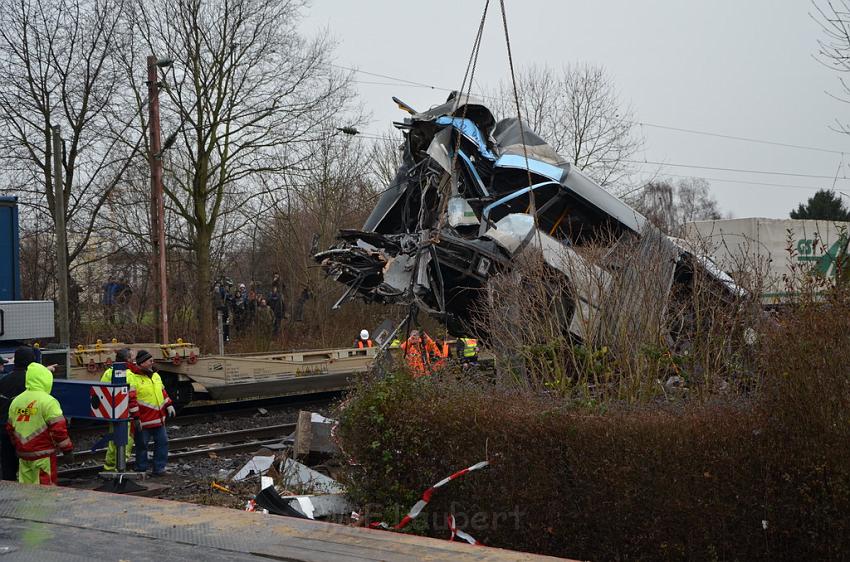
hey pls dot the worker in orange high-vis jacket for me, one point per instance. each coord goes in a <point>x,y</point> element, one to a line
<point>154,406</point>
<point>364,340</point>
<point>37,428</point>
<point>421,353</point>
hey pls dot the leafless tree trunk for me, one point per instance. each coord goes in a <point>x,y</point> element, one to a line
<point>250,97</point>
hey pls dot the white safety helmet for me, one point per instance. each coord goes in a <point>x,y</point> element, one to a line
<point>364,334</point>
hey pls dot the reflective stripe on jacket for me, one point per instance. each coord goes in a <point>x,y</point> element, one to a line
<point>131,368</point>
<point>36,424</point>
<point>151,399</point>
<point>470,347</point>
<point>422,355</point>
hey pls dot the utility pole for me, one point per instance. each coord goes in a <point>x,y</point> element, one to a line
<point>61,242</point>
<point>157,203</point>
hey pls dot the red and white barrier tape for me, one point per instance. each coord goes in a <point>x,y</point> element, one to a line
<point>426,497</point>
<point>458,533</point>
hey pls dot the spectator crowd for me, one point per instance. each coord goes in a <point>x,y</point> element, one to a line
<point>255,308</point>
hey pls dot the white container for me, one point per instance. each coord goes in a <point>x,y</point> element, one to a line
<point>26,320</point>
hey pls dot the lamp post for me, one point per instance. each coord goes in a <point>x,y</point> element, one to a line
<point>157,203</point>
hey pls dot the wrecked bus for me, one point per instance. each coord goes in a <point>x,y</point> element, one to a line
<point>471,196</point>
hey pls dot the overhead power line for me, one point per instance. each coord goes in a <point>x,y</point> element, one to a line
<point>737,138</point>
<point>747,182</point>
<point>644,123</point>
<point>378,136</point>
<point>388,77</point>
<point>736,170</point>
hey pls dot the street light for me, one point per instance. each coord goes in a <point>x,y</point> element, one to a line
<point>157,202</point>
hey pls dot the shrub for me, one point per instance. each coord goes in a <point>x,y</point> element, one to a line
<point>718,479</point>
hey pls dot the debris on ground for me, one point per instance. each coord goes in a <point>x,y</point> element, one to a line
<point>313,436</point>
<point>257,466</point>
<point>305,480</point>
<point>307,506</point>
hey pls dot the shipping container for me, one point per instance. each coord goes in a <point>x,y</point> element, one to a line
<point>776,250</point>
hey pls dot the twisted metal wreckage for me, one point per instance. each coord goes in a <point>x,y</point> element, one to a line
<point>470,197</point>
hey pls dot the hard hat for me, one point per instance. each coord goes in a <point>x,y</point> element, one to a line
<point>364,334</point>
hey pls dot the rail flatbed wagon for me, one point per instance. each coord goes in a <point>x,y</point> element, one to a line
<point>227,377</point>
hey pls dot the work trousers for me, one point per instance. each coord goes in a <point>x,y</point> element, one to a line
<point>8,456</point>
<point>41,471</point>
<point>111,463</point>
<point>160,449</point>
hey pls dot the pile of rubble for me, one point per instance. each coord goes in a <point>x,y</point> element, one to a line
<point>285,486</point>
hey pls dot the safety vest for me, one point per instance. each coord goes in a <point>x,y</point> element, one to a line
<point>470,347</point>
<point>36,424</point>
<point>422,356</point>
<point>363,343</point>
<point>133,403</point>
<point>151,398</point>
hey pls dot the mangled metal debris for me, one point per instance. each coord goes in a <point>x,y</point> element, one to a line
<point>305,480</point>
<point>257,466</point>
<point>472,196</point>
<point>305,507</point>
<point>303,492</point>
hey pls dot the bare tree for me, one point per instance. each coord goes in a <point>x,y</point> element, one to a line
<point>669,206</point>
<point>385,158</point>
<point>578,111</point>
<point>833,16</point>
<point>59,68</point>
<point>250,96</point>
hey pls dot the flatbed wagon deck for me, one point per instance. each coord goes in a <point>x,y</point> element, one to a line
<point>297,372</point>
<point>228,377</point>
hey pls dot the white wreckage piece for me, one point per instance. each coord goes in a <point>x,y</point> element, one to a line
<point>470,197</point>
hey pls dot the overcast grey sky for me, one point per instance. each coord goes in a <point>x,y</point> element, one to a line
<point>740,68</point>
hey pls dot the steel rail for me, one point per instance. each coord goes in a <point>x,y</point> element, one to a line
<point>180,447</point>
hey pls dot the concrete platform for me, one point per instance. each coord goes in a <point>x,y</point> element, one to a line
<point>64,524</point>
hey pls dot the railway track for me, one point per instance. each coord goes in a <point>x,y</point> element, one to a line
<point>222,409</point>
<point>194,446</point>
<point>203,412</point>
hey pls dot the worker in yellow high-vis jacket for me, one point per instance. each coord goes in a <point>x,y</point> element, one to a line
<point>110,463</point>
<point>38,429</point>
